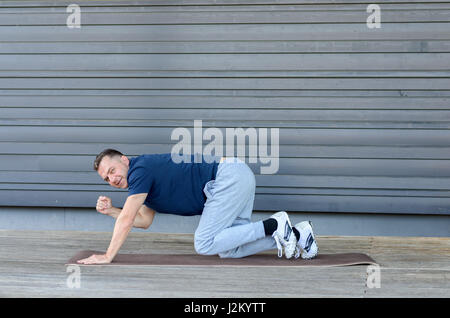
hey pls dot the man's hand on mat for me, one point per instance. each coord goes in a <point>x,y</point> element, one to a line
<point>95,259</point>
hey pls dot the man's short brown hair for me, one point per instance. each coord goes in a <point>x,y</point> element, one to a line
<point>105,153</point>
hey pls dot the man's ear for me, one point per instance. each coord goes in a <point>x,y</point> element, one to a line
<point>125,160</point>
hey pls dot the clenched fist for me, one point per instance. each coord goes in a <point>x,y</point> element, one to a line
<point>104,205</point>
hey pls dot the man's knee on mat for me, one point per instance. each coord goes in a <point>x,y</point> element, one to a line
<point>203,246</point>
<point>229,254</point>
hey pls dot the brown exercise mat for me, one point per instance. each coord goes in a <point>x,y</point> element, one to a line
<point>201,260</point>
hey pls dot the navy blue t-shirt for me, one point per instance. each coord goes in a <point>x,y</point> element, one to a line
<point>175,188</point>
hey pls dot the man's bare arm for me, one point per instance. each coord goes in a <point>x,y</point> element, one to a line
<point>124,223</point>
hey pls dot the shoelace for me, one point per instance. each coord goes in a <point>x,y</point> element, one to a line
<point>279,246</point>
<point>281,243</point>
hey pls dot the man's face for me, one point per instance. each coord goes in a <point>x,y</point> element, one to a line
<point>114,170</point>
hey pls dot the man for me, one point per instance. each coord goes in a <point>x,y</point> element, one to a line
<point>222,192</point>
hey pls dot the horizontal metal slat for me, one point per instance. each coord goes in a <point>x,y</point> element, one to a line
<point>297,203</point>
<point>293,151</point>
<point>295,166</point>
<point>226,17</point>
<point>285,124</point>
<point>218,102</point>
<point>268,46</point>
<point>145,135</point>
<point>263,181</point>
<point>225,32</point>
<point>228,62</point>
<point>228,114</point>
<point>259,190</point>
<point>235,83</point>
<point>53,3</point>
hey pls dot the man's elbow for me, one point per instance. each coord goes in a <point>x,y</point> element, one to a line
<point>142,224</point>
<point>146,224</point>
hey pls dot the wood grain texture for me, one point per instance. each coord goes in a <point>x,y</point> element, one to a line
<point>32,265</point>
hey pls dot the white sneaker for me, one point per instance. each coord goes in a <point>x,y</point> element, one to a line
<point>283,235</point>
<point>306,245</point>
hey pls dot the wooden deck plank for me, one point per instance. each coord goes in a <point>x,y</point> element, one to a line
<point>32,265</point>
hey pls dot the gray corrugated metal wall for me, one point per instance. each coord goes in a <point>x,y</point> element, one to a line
<point>363,113</point>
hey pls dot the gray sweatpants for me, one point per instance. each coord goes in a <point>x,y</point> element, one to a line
<point>225,227</point>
